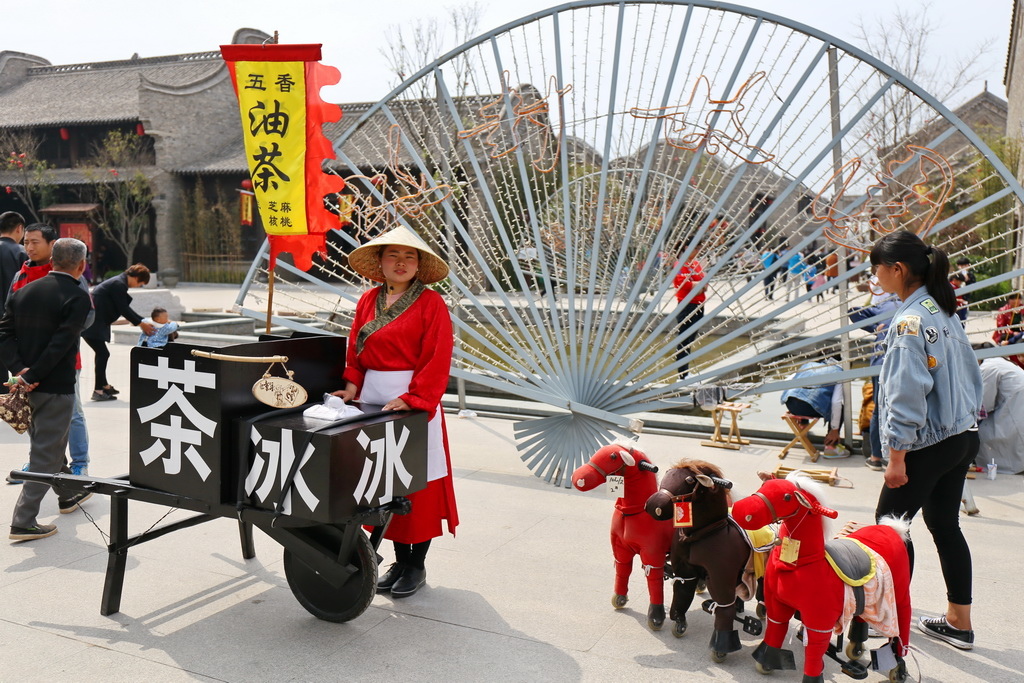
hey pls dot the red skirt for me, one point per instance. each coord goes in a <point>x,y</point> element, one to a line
<point>429,507</point>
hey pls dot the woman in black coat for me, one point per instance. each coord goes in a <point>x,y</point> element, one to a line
<point>111,300</point>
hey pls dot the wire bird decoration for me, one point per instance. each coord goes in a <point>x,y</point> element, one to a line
<point>567,213</point>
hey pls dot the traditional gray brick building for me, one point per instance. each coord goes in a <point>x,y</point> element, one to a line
<point>183,106</point>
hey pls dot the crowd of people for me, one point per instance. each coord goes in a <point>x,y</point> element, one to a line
<point>47,310</point>
<point>400,358</point>
<point>937,410</point>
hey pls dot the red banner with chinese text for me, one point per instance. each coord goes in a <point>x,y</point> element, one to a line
<point>278,89</point>
<point>80,231</point>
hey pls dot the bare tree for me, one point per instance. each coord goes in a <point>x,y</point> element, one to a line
<point>35,188</point>
<point>906,41</point>
<point>412,45</point>
<point>122,189</point>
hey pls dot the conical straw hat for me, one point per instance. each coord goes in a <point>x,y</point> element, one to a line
<point>366,259</point>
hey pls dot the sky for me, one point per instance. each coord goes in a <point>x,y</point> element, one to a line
<point>352,32</point>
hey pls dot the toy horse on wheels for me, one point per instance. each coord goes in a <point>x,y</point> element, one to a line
<point>706,546</point>
<point>633,532</point>
<point>861,579</point>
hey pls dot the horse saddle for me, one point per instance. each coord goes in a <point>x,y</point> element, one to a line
<point>852,563</point>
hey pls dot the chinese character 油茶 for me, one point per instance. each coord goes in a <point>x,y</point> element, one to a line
<point>265,174</point>
<point>270,123</point>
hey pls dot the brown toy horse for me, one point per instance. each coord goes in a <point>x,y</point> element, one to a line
<point>633,533</point>
<point>706,545</point>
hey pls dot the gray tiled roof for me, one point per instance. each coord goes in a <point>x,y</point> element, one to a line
<point>69,176</point>
<point>231,157</point>
<point>102,92</point>
<point>367,148</point>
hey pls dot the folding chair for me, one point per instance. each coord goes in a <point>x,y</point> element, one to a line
<point>733,441</point>
<point>800,434</point>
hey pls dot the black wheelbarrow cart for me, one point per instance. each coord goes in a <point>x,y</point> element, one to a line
<point>200,441</point>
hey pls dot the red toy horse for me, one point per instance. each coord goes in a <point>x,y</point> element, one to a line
<point>803,575</point>
<point>633,532</point>
<point>706,546</point>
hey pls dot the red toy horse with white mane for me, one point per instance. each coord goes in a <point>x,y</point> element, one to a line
<point>633,531</point>
<point>804,574</point>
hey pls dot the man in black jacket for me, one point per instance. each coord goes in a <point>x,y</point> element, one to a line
<point>39,336</point>
<point>12,255</point>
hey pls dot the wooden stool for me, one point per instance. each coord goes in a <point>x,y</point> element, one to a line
<point>733,440</point>
<point>826,476</point>
<point>800,434</point>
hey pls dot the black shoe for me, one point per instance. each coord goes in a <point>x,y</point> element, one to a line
<point>938,627</point>
<point>71,503</point>
<point>878,465</point>
<point>33,532</point>
<point>110,390</point>
<point>409,582</point>
<point>393,574</point>
<point>103,396</point>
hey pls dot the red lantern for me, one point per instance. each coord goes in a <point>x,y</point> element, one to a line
<point>246,203</point>
<point>65,134</point>
<point>140,130</point>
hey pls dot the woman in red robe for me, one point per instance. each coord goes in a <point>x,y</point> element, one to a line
<point>399,356</point>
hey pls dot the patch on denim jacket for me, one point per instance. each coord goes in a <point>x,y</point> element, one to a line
<point>933,362</point>
<point>908,324</point>
<point>931,335</point>
<point>929,306</point>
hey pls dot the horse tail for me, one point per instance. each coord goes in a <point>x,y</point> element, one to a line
<point>900,525</point>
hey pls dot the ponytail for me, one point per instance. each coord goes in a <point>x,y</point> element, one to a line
<point>928,265</point>
<point>937,281</point>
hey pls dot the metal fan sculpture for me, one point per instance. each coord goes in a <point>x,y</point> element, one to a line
<point>587,153</point>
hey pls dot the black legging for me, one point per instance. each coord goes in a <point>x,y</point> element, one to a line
<point>413,554</point>
<point>686,317</point>
<point>935,485</point>
<point>99,347</point>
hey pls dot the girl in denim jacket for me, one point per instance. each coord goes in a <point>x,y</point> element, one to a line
<point>929,398</point>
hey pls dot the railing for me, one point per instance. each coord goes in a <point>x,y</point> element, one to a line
<point>215,268</point>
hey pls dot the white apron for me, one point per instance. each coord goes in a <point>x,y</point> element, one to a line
<point>380,386</point>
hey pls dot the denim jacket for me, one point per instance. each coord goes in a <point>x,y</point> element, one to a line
<point>930,387</point>
<point>818,397</point>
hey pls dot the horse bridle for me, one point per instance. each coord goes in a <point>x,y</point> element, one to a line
<point>771,508</point>
<point>677,498</point>
<point>616,471</point>
<point>604,474</point>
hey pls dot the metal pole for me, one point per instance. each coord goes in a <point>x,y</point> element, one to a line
<point>449,229</point>
<point>270,297</point>
<point>844,292</point>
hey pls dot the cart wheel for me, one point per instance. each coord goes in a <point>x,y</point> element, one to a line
<point>328,602</point>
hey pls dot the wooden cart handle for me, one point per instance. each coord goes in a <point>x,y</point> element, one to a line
<point>239,359</point>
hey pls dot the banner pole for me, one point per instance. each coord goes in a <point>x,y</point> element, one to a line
<point>270,296</point>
